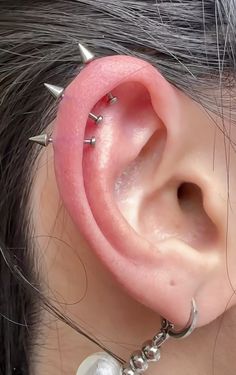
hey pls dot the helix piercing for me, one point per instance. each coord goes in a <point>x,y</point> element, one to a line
<point>41,139</point>
<point>96,119</point>
<point>111,99</point>
<point>91,141</point>
<point>87,56</point>
<point>57,92</point>
<point>44,140</point>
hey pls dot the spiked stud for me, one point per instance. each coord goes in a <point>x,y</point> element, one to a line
<point>85,54</point>
<point>96,119</point>
<point>42,139</point>
<point>91,141</point>
<point>56,91</point>
<point>112,99</point>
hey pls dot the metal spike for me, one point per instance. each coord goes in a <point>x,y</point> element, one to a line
<point>91,141</point>
<point>42,139</point>
<point>85,54</point>
<point>95,118</point>
<point>56,91</point>
<point>112,99</point>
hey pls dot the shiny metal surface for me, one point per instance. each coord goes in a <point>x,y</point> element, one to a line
<point>96,119</point>
<point>86,55</point>
<point>41,139</point>
<point>90,141</point>
<point>56,91</point>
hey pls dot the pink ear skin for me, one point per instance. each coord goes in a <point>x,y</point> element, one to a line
<point>162,275</point>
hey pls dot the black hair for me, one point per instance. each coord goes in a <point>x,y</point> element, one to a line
<point>191,42</point>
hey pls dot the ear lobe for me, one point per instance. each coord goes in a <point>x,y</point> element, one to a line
<point>123,194</point>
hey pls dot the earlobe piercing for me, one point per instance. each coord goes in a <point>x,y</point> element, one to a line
<point>150,351</point>
<point>102,363</point>
<point>45,140</point>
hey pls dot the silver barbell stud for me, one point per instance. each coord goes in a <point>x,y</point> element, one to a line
<point>90,141</point>
<point>44,140</point>
<point>112,99</point>
<point>96,119</point>
<point>87,56</point>
<point>57,92</point>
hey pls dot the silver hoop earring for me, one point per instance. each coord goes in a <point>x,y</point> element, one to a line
<point>104,364</point>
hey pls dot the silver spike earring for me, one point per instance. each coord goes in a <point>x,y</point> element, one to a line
<point>41,139</point>
<point>87,56</point>
<point>103,364</point>
<point>57,92</point>
<point>45,140</point>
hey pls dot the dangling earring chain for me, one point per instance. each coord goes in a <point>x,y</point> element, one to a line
<point>57,92</point>
<point>102,363</point>
<point>150,351</point>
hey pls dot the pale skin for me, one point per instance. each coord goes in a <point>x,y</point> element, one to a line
<point>117,212</point>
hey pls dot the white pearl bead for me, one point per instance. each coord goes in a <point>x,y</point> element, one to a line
<point>99,364</point>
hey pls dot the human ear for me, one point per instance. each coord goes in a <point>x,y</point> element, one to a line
<point>145,197</point>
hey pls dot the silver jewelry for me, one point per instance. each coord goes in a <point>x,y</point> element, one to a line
<point>96,119</point>
<point>150,351</point>
<point>41,139</point>
<point>91,141</point>
<point>112,99</point>
<point>45,140</point>
<point>58,92</point>
<point>87,56</point>
<point>103,364</point>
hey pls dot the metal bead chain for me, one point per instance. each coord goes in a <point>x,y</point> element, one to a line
<point>150,352</point>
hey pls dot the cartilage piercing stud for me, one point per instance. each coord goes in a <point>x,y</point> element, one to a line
<point>42,139</point>
<point>112,99</point>
<point>56,91</point>
<point>85,54</point>
<point>96,119</point>
<point>91,141</point>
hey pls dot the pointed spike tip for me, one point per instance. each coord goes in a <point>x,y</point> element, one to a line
<point>42,139</point>
<point>86,55</point>
<point>56,91</point>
